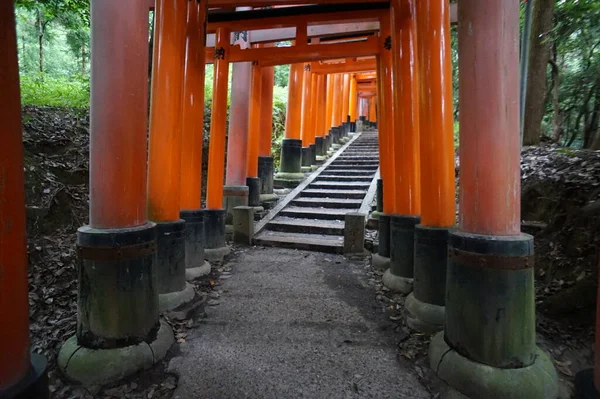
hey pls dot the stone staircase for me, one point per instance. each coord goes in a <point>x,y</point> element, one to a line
<point>312,216</point>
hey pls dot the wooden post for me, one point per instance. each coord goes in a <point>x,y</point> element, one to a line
<point>216,154</point>
<point>266,109</point>
<point>254,124</point>
<point>488,348</point>
<point>14,306</point>
<point>336,119</point>
<point>193,108</point>
<point>352,104</point>
<point>306,121</point>
<point>164,155</point>
<point>294,106</point>
<point>345,98</point>
<point>437,168</point>
<point>329,103</point>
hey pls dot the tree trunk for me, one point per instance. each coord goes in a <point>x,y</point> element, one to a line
<point>40,38</point>
<point>557,119</point>
<point>539,54</point>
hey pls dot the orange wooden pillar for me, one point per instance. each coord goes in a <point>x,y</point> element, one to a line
<point>345,114</point>
<point>399,277</point>
<point>290,173</point>
<point>385,127</point>
<point>336,111</point>
<point>214,219</point>
<point>252,181</point>
<point>192,141</point>
<point>489,335</point>
<point>437,167</point>
<point>265,159</point>
<point>307,119</point>
<point>372,109</point>
<point>164,155</point>
<point>352,103</point>
<point>16,361</point>
<point>329,102</point>
<point>236,191</point>
<point>320,106</point>
<point>118,294</point>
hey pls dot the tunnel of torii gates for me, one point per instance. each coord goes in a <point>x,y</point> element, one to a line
<point>469,279</point>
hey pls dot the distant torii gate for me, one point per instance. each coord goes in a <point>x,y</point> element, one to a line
<point>147,230</point>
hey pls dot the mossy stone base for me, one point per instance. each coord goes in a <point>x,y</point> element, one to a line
<point>380,263</point>
<point>397,284</point>
<point>96,367</point>
<point>424,317</point>
<point>195,272</point>
<point>217,254</point>
<point>175,299</point>
<point>306,169</point>
<point>268,198</point>
<point>288,180</point>
<point>476,380</point>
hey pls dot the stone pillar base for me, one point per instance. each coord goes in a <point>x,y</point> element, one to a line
<point>354,233</point>
<point>196,272</point>
<point>288,180</point>
<point>424,317</point>
<point>95,367</point>
<point>215,247</point>
<point>373,222</point>
<point>173,300</point>
<point>266,171</point>
<point>401,285</point>
<point>380,263</point>
<point>34,384</point>
<point>430,264</point>
<point>399,277</point>
<point>234,196</point>
<point>477,380</point>
<point>170,265</point>
<point>195,264</point>
<point>253,184</point>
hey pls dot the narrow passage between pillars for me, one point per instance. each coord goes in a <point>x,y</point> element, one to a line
<point>22,374</point>
<point>399,277</point>
<point>488,348</point>
<point>118,291</point>
<point>214,217</point>
<point>164,154</point>
<point>192,142</point>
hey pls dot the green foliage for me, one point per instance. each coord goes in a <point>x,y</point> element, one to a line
<point>282,73</point>
<point>52,91</point>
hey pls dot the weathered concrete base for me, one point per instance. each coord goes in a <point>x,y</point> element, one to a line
<point>373,222</point>
<point>306,169</point>
<point>268,198</point>
<point>217,254</point>
<point>354,233</point>
<point>175,299</point>
<point>476,380</point>
<point>321,158</point>
<point>196,272</point>
<point>34,384</point>
<point>380,263</point>
<point>234,196</point>
<point>401,285</point>
<point>288,180</point>
<point>243,225</point>
<point>424,317</point>
<point>96,367</point>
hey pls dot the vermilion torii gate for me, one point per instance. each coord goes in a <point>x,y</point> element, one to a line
<point>147,227</point>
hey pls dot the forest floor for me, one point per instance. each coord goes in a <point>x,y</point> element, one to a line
<point>557,185</point>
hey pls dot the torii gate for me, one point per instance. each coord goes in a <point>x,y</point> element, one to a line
<point>134,254</point>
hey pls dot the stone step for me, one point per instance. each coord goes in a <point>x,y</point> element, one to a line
<point>340,185</point>
<point>339,203</point>
<point>306,226</point>
<point>340,178</point>
<point>360,164</point>
<point>310,242</point>
<point>314,213</point>
<point>340,171</point>
<point>331,193</point>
